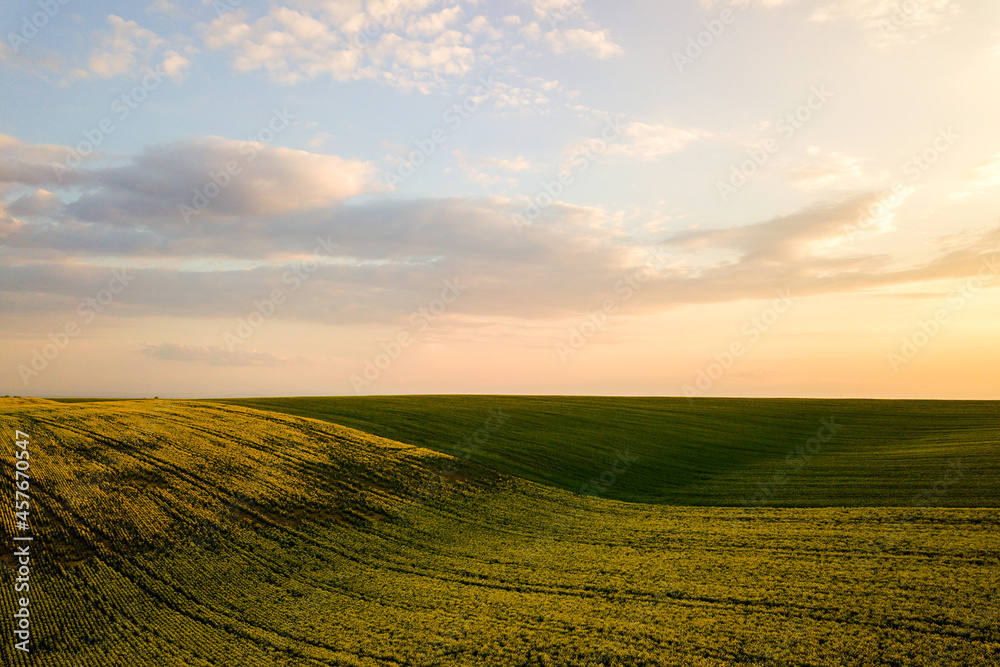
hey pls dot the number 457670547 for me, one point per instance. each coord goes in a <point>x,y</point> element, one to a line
<point>22,480</point>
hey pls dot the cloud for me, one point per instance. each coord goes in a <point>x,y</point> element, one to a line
<point>165,8</point>
<point>418,46</point>
<point>174,65</point>
<point>646,141</point>
<point>474,171</point>
<point>294,46</point>
<point>290,46</point>
<point>889,18</point>
<point>481,26</point>
<point>257,179</point>
<point>810,251</point>
<point>826,170</point>
<point>518,163</point>
<point>212,355</point>
<point>376,259</point>
<point>31,165</point>
<point>318,139</point>
<point>893,21</point>
<point>983,177</point>
<point>556,10</point>
<point>521,98</point>
<point>434,24</point>
<point>127,48</point>
<point>422,65</point>
<point>123,49</point>
<point>596,43</point>
<point>39,203</point>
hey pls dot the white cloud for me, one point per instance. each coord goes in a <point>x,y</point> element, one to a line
<point>318,139</point>
<point>827,170</point>
<point>545,84</point>
<point>293,46</point>
<point>419,45</point>
<point>556,10</point>
<point>174,65</point>
<point>646,141</point>
<point>481,26</point>
<point>891,16</point>
<point>983,177</point>
<point>127,47</point>
<point>892,20</point>
<point>434,24</point>
<point>531,31</point>
<point>596,43</point>
<point>518,98</point>
<point>810,250</point>
<point>476,170</point>
<point>518,163</point>
<point>472,172</point>
<point>123,49</point>
<point>165,8</point>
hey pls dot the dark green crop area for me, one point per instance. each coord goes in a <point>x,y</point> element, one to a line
<point>715,452</point>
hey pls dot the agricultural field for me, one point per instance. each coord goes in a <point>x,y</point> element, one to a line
<point>712,451</point>
<point>207,533</point>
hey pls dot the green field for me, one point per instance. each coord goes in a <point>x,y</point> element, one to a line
<point>710,452</point>
<point>198,533</point>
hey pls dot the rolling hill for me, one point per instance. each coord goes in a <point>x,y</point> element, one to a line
<point>192,533</point>
<point>716,452</point>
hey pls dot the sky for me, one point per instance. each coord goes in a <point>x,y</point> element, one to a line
<point>339,197</point>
